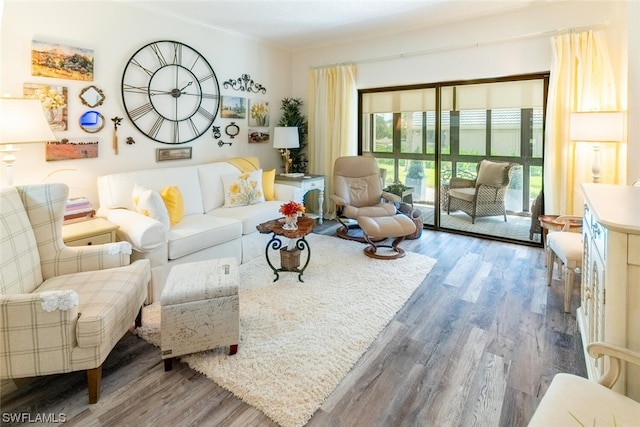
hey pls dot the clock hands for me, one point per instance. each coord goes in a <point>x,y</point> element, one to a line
<point>174,92</point>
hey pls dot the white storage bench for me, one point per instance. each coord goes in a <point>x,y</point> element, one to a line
<point>200,308</point>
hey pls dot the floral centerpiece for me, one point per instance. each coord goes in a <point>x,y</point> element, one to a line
<point>291,211</point>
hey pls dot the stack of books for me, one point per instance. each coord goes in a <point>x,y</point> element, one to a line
<point>78,209</point>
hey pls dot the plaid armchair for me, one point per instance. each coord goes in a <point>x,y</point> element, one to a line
<point>483,196</point>
<point>62,308</point>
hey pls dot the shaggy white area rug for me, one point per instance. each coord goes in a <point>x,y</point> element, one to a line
<point>299,340</point>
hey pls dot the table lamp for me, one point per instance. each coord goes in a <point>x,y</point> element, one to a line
<point>285,138</point>
<point>596,127</point>
<point>21,121</point>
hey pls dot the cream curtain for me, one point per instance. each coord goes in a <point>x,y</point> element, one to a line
<point>581,79</point>
<point>332,122</point>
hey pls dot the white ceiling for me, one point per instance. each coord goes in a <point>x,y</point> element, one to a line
<point>301,24</point>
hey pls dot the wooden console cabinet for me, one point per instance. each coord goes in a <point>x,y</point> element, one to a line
<point>610,292</point>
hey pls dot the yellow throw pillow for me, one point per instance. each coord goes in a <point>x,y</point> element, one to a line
<point>173,201</point>
<point>268,184</point>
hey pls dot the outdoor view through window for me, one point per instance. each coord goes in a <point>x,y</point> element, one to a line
<point>432,139</point>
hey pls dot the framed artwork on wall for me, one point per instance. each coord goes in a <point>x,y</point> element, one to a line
<point>258,135</point>
<point>61,61</point>
<point>70,150</point>
<point>164,154</point>
<point>233,107</point>
<point>54,102</point>
<point>259,113</point>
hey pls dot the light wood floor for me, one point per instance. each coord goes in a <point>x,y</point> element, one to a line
<point>477,344</point>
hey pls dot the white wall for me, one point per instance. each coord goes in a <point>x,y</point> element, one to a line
<point>633,128</point>
<point>115,31</point>
<point>517,42</point>
<point>513,43</point>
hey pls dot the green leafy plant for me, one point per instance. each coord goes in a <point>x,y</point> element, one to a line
<point>396,188</point>
<point>293,117</point>
<point>415,170</point>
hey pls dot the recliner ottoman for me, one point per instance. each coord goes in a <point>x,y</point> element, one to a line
<point>398,226</point>
<point>200,308</point>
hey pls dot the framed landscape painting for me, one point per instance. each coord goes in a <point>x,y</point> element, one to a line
<point>70,150</point>
<point>61,61</point>
<point>164,154</point>
<point>233,107</point>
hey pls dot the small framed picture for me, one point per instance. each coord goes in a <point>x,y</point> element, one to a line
<point>164,154</point>
<point>233,107</point>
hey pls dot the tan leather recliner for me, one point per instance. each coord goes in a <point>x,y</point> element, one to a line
<point>358,192</point>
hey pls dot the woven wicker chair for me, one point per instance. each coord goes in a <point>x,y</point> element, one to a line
<point>537,209</point>
<point>483,196</point>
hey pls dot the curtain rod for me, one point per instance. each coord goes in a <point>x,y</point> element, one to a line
<point>548,33</point>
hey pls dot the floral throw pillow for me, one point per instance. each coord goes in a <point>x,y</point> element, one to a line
<point>243,189</point>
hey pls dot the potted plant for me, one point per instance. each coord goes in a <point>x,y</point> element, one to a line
<point>396,188</point>
<point>415,177</point>
<point>292,117</point>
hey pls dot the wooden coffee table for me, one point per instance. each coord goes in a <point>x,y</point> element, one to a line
<point>289,259</point>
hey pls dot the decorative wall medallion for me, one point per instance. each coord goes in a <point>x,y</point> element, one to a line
<point>245,84</point>
<point>92,96</point>
<point>232,130</point>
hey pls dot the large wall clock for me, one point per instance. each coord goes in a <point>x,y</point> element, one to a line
<point>170,92</point>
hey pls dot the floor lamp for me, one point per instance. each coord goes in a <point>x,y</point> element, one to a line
<point>285,138</point>
<point>597,127</point>
<point>21,121</point>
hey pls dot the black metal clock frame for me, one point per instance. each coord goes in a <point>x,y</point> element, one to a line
<point>170,92</point>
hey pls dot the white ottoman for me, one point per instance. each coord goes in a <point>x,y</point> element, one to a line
<point>200,309</point>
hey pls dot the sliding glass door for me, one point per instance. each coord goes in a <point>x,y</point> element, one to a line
<point>425,135</point>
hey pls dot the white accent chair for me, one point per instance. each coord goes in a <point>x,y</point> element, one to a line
<point>62,309</point>
<point>565,249</point>
<point>571,400</point>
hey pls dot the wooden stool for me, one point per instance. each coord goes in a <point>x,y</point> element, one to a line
<point>200,309</point>
<point>397,226</point>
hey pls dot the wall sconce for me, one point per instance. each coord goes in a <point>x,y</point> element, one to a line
<point>22,121</point>
<point>597,127</point>
<point>285,138</point>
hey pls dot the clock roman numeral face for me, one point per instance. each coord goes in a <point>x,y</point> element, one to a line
<point>170,92</point>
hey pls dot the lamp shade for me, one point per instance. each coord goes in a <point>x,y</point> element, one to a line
<point>23,121</point>
<point>596,126</point>
<point>285,137</point>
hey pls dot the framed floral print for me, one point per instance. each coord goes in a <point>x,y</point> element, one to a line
<point>259,113</point>
<point>54,102</point>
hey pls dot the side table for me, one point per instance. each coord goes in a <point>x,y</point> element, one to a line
<point>305,226</point>
<point>307,183</point>
<point>95,231</point>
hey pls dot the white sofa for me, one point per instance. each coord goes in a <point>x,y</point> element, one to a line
<point>207,230</point>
